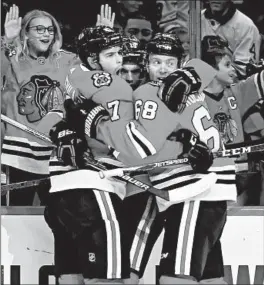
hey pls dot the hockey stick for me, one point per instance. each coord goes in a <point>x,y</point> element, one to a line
<point>176,195</point>
<point>25,129</point>
<point>141,168</point>
<point>23,184</point>
<point>92,162</point>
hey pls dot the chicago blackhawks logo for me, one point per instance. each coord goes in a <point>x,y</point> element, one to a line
<point>227,127</point>
<point>102,79</point>
<point>39,96</point>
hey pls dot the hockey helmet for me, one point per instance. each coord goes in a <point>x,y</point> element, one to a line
<point>165,44</point>
<point>93,40</point>
<point>133,52</point>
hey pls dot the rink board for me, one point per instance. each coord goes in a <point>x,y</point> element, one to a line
<point>27,247</point>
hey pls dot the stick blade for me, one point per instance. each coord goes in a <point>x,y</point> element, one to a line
<point>206,72</point>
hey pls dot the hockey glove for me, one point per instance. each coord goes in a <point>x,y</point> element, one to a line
<point>177,87</point>
<point>84,117</point>
<point>198,153</point>
<point>70,147</point>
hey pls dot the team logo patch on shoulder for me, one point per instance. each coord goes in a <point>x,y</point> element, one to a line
<point>102,79</point>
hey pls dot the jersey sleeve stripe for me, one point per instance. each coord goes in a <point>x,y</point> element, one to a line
<point>143,146</point>
<point>259,82</point>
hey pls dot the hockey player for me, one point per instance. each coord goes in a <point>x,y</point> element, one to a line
<point>33,90</point>
<point>164,52</point>
<point>133,69</point>
<point>88,81</point>
<point>65,176</point>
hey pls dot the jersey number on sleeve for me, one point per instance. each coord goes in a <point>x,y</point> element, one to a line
<point>211,133</point>
<point>115,106</point>
<point>253,50</point>
<point>148,108</point>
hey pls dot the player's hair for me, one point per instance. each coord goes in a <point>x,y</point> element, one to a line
<point>92,40</point>
<point>166,44</point>
<point>57,41</point>
<point>214,49</point>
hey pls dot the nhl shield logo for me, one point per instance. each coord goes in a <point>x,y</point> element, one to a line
<point>102,79</point>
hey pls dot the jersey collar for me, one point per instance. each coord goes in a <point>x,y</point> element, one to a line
<point>221,19</point>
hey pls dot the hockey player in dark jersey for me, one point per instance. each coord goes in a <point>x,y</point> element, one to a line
<point>33,93</point>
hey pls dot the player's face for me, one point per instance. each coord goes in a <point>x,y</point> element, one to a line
<point>131,73</point>
<point>226,74</point>
<point>160,66</point>
<point>218,5</point>
<point>111,59</point>
<point>40,35</point>
<point>139,28</point>
<point>26,99</point>
<point>131,6</point>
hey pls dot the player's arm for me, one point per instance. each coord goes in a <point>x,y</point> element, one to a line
<point>250,97</point>
<point>248,48</point>
<point>153,122</point>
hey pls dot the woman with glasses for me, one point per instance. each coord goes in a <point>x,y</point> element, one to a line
<point>33,93</point>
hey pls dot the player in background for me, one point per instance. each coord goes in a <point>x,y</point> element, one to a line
<point>33,93</point>
<point>133,69</point>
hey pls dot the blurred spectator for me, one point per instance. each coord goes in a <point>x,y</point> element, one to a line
<point>125,9</point>
<point>222,18</point>
<point>140,27</point>
<point>183,35</point>
<point>172,14</point>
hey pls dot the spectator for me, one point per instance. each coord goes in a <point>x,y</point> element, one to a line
<point>236,108</point>
<point>223,19</point>
<point>140,27</point>
<point>183,35</point>
<point>125,9</point>
<point>172,14</point>
<point>33,94</point>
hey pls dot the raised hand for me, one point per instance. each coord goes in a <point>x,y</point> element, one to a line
<point>106,17</point>
<point>12,23</point>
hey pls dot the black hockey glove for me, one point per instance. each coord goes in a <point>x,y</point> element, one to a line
<point>70,147</point>
<point>198,153</point>
<point>84,117</point>
<point>177,86</point>
<point>252,68</point>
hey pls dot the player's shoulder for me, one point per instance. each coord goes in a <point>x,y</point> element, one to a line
<point>151,86</point>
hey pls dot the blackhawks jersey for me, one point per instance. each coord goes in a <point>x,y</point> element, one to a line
<point>34,89</point>
<point>231,108</point>
<point>122,133</point>
<point>196,117</point>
